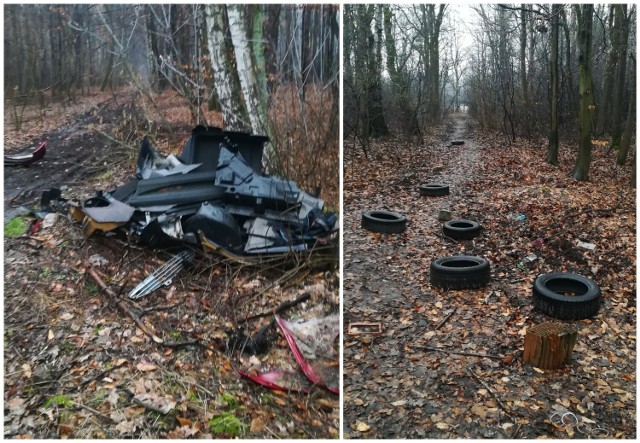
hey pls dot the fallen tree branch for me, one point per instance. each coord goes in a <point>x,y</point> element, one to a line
<point>147,406</point>
<point>122,306</point>
<point>466,354</point>
<point>281,308</point>
<point>94,412</point>
<point>446,319</point>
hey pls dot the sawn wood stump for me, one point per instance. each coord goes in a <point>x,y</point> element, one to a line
<point>549,345</point>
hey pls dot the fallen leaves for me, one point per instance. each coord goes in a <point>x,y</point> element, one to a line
<point>485,188</point>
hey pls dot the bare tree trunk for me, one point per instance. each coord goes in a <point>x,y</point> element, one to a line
<point>523,69</point>
<point>585,20</point>
<point>618,98</point>
<point>227,82</point>
<point>625,143</point>
<point>603,113</point>
<point>552,157</point>
<point>409,118</point>
<point>245,68</point>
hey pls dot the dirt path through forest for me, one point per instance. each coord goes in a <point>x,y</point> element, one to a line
<point>74,152</point>
<point>393,389</point>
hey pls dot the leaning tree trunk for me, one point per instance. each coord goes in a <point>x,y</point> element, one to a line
<point>226,78</point>
<point>585,20</point>
<point>552,157</point>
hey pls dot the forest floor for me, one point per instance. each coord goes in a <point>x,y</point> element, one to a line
<point>395,389</point>
<point>75,366</point>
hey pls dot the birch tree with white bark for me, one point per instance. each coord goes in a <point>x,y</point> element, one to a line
<point>227,83</point>
<point>246,70</point>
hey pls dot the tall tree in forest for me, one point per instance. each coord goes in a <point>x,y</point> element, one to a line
<point>399,84</point>
<point>552,157</point>
<point>234,112</point>
<point>630,124</point>
<point>584,15</point>
<point>378,125</point>
<point>366,74</point>
<point>251,92</point>
<point>604,106</point>
<point>432,23</point>
<point>524,12</point>
<point>620,75</point>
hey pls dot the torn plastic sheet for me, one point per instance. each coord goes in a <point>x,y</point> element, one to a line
<point>312,344</point>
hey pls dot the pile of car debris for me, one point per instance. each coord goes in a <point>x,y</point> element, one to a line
<point>213,197</point>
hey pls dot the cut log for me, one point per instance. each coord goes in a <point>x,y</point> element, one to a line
<point>549,345</point>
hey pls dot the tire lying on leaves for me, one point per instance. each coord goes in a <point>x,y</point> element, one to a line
<point>566,296</point>
<point>386,222</point>
<point>460,272</point>
<point>433,189</point>
<point>461,229</point>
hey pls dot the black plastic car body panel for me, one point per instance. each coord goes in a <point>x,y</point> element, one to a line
<point>179,195</point>
<point>155,183</point>
<point>216,224</point>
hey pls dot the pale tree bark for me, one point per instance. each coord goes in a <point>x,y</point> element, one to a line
<point>226,78</point>
<point>245,68</point>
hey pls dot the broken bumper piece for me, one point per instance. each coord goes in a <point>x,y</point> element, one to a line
<point>214,197</point>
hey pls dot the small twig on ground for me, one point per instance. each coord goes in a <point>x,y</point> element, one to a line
<point>446,319</point>
<point>100,375</point>
<point>488,388</point>
<point>122,306</point>
<point>147,406</point>
<point>466,354</point>
<point>94,412</point>
<point>146,311</point>
<point>283,306</point>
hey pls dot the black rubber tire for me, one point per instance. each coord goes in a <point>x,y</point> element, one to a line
<point>460,272</point>
<point>461,229</point>
<point>386,222</point>
<point>549,296</point>
<point>434,189</point>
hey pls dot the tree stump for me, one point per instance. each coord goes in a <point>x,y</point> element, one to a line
<point>549,345</point>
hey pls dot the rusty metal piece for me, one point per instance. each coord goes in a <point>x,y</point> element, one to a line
<point>352,329</point>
